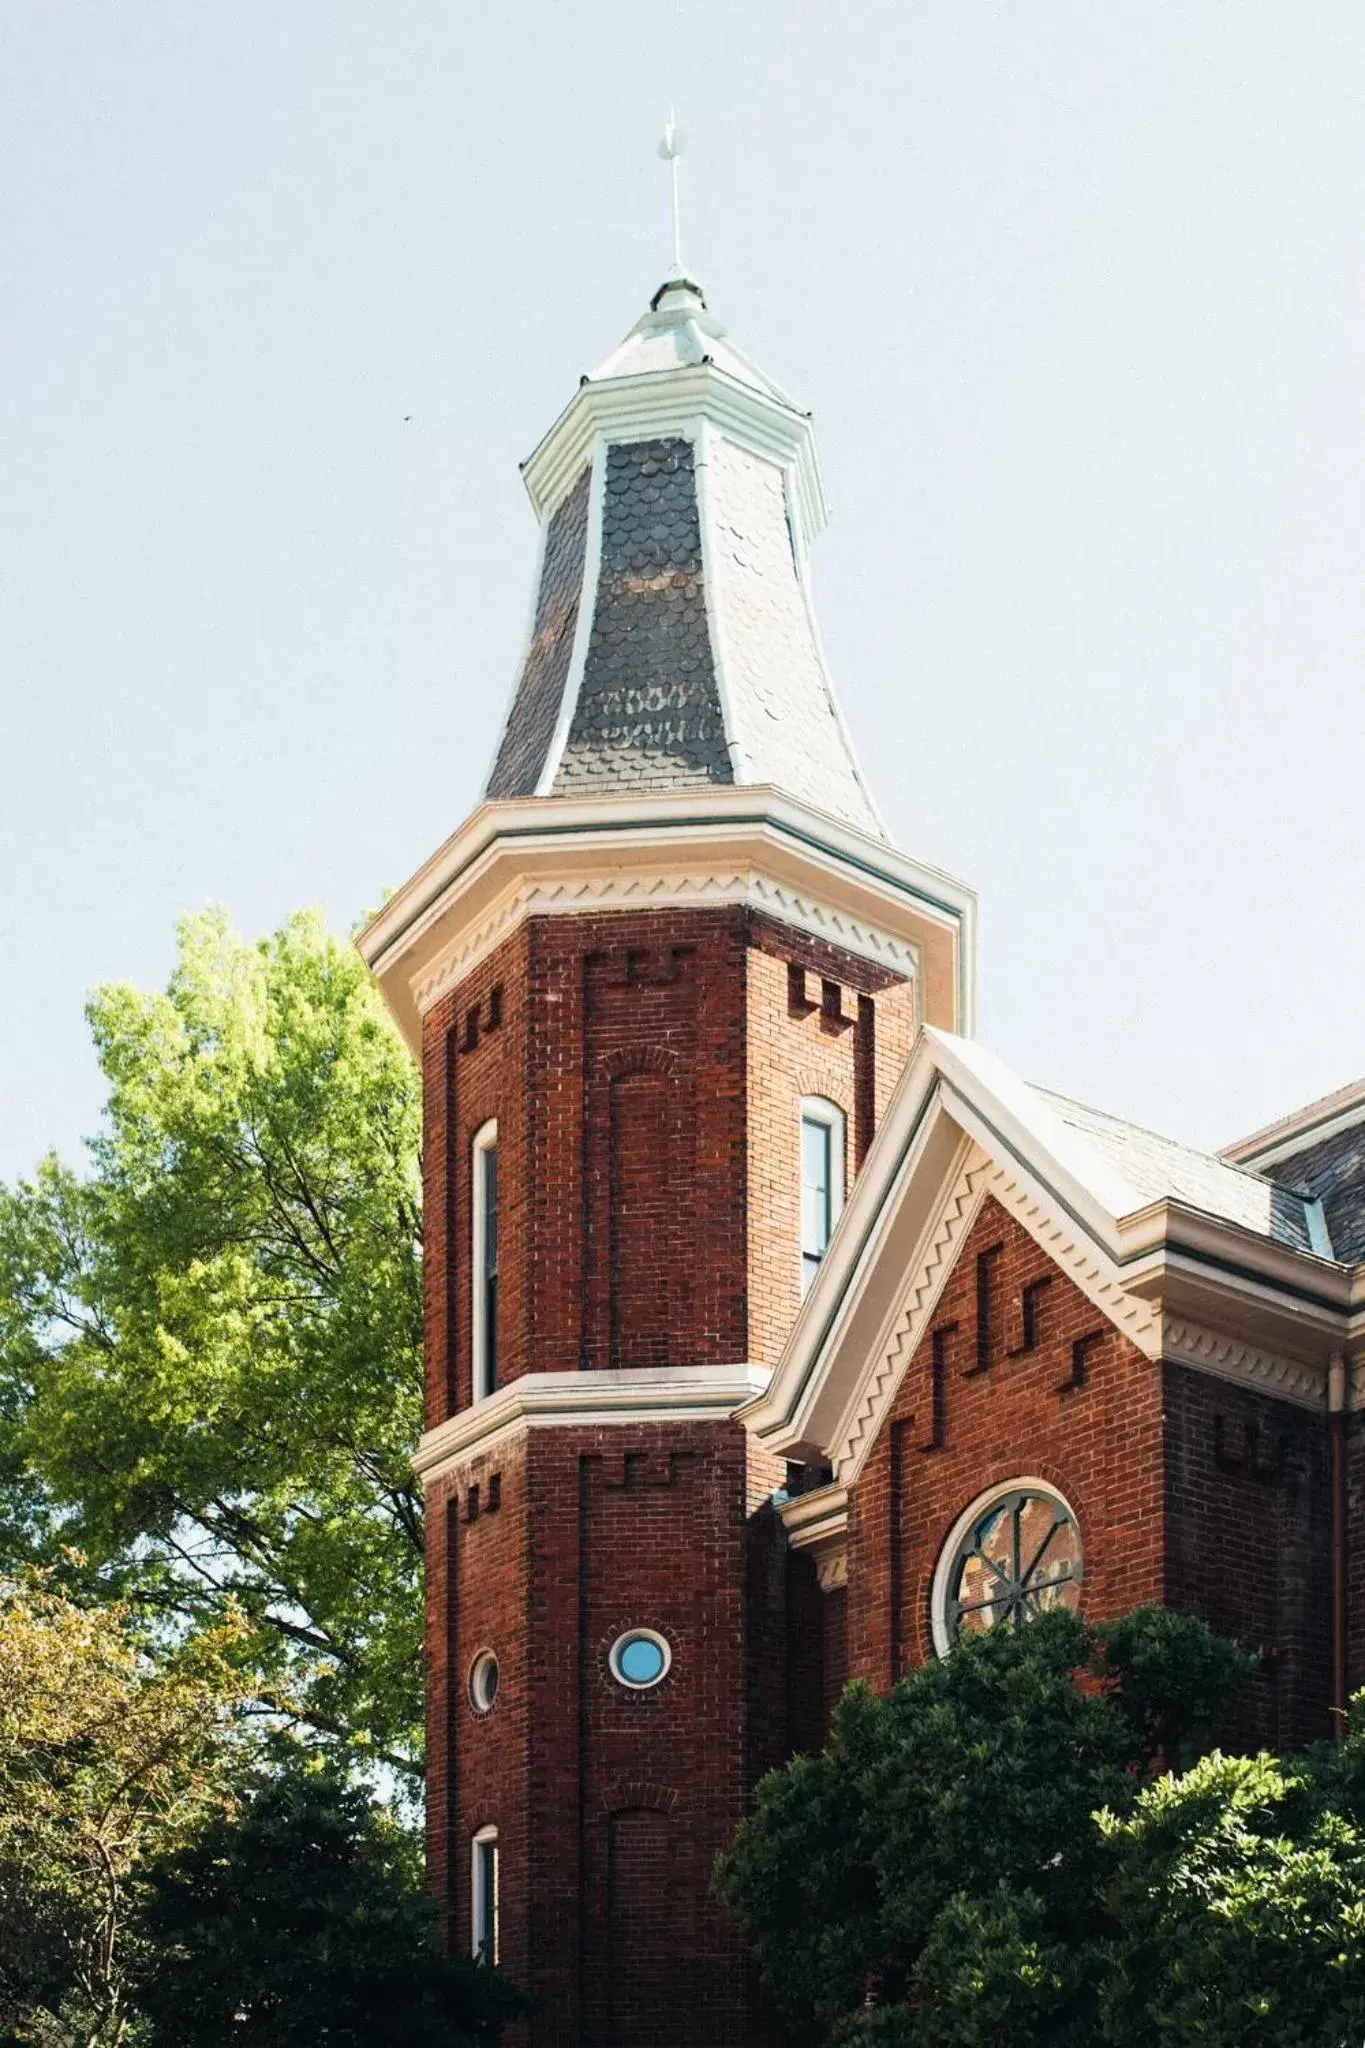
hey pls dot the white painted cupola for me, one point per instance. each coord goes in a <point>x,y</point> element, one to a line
<point>673,643</point>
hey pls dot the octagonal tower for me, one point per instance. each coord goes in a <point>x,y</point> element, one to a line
<point>662,982</point>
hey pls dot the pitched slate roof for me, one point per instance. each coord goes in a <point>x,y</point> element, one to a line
<point>1156,1168</point>
<point>674,645</point>
<point>1320,1151</point>
<point>1125,1166</point>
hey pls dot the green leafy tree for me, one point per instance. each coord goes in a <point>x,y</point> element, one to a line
<point>210,1342</point>
<point>934,1877</point>
<point>107,1759</point>
<point>298,1919</point>
<point>1239,1893</point>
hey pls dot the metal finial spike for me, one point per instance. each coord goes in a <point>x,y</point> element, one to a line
<point>670,149</point>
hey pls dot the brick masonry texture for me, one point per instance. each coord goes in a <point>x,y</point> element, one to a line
<point>1099,1446</point>
<point>535,709</point>
<point>852,1060</point>
<point>611,1805</point>
<point>1247,1515</point>
<point>1187,1490</point>
<point>646,1071</point>
<point>648,714</point>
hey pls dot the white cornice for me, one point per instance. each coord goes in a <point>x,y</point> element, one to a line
<point>817,1526</point>
<point>564,1400</point>
<point>1228,1357</point>
<point>750,844</point>
<point>1176,1282</point>
<point>625,892</point>
<point>670,402</point>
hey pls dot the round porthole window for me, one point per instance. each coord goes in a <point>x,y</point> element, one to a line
<point>483,1682</point>
<point>1011,1555</point>
<point>639,1659</point>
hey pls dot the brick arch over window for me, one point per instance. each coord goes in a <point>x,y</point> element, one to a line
<point>638,1059</point>
<point>626,1794</point>
<point>819,1081</point>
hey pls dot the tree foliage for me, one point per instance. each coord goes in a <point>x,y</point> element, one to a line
<point>937,1876</point>
<point>210,1342</point>
<point>1239,1893</point>
<point>106,1760</point>
<point>298,1919</point>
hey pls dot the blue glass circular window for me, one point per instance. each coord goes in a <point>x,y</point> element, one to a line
<point>639,1659</point>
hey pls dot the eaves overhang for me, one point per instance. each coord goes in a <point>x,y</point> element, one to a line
<point>654,404</point>
<point>553,855</point>
<point>587,1400</point>
<point>1176,1280</point>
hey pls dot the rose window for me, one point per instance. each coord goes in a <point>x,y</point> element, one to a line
<point>1013,1555</point>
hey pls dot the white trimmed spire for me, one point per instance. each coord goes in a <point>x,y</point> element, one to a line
<point>673,643</point>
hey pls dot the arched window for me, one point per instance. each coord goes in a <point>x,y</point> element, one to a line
<point>483,1896</point>
<point>822,1180</point>
<point>484,1260</point>
<point>1010,1555</point>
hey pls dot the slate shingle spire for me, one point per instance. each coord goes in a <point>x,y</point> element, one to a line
<point>674,645</point>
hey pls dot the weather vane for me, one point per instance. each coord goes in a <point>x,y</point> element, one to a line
<point>670,149</point>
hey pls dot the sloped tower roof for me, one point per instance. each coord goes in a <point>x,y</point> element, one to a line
<point>673,643</point>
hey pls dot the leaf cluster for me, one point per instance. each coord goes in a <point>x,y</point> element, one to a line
<point>937,1876</point>
<point>107,1759</point>
<point>298,1920</point>
<point>210,1342</point>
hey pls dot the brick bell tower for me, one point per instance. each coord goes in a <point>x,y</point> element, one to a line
<point>661,983</point>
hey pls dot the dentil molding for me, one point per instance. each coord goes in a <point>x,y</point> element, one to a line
<point>1231,1358</point>
<point>696,888</point>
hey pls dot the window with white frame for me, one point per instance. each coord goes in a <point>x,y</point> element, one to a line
<point>822,1180</point>
<point>484,1263</point>
<point>1015,1552</point>
<point>483,1896</point>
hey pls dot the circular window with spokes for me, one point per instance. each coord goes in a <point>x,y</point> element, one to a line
<point>639,1659</point>
<point>1014,1553</point>
<point>483,1682</point>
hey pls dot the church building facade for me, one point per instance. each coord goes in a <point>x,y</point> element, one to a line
<point>776,1332</point>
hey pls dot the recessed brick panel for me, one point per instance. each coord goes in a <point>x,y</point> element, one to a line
<point>646,1073</point>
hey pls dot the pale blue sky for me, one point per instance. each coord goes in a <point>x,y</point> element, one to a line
<point>1075,291</point>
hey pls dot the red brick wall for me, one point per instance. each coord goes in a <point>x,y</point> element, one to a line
<point>646,1073</point>
<point>475,1048</point>
<point>595,1789</point>
<point>1248,1544</point>
<point>1355,1552</point>
<point>1099,1444</point>
<point>1209,1497</point>
<point>478,1765</point>
<point>848,1046</point>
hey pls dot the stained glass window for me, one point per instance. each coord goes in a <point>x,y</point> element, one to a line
<point>1018,1554</point>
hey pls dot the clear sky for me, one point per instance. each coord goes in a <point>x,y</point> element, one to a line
<point>1075,291</point>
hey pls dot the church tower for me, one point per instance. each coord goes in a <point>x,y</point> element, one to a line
<point>662,982</point>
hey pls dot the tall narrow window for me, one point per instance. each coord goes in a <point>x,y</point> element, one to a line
<point>483,1896</point>
<point>822,1181</point>
<point>484,1263</point>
